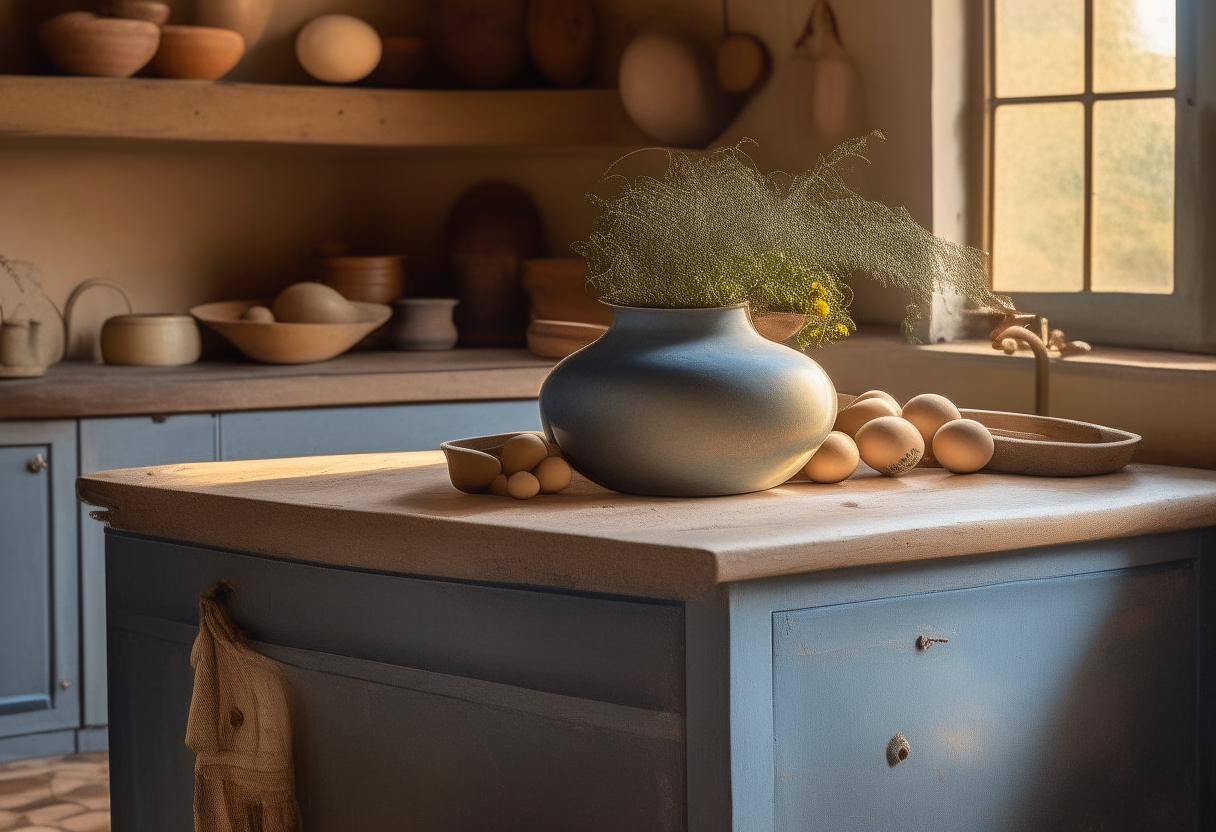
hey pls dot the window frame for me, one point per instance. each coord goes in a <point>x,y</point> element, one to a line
<point>1183,320</point>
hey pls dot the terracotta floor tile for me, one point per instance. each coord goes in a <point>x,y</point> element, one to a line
<point>23,791</point>
<point>53,813</point>
<point>88,822</point>
<point>57,794</point>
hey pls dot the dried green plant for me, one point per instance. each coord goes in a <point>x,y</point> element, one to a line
<point>716,231</point>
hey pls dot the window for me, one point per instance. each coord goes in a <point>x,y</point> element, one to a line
<point>1092,159</point>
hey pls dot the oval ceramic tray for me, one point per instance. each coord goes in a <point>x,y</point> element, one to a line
<point>1044,446</point>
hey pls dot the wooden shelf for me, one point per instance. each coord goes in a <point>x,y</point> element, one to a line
<point>139,108</point>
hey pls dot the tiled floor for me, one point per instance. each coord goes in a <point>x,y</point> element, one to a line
<point>56,794</point>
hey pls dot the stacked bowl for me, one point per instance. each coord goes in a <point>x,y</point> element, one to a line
<point>365,279</point>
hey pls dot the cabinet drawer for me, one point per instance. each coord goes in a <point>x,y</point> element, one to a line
<point>267,434</point>
<point>1057,704</point>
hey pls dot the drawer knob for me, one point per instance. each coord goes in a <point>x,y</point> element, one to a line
<point>925,642</point>
<point>37,464</point>
<point>898,749</point>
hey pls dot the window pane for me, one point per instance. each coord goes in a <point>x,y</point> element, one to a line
<point>1040,47</point>
<point>1134,45</point>
<point>1133,208</point>
<point>1038,208</point>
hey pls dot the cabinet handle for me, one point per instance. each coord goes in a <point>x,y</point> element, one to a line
<point>37,464</point>
<point>898,749</point>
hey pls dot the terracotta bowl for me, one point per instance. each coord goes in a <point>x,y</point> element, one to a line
<point>278,343</point>
<point>81,43</point>
<point>197,53</point>
<point>368,279</point>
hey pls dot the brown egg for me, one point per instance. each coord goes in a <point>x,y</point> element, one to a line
<point>963,446</point>
<point>523,453</point>
<point>498,486</point>
<point>835,460</point>
<point>258,314</point>
<point>553,473</point>
<point>890,445</point>
<point>928,412</point>
<point>859,412</point>
<point>880,394</point>
<point>522,485</point>
<point>313,303</point>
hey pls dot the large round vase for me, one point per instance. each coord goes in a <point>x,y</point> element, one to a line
<point>687,403</point>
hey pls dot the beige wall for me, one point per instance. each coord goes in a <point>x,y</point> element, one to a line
<point>179,224</point>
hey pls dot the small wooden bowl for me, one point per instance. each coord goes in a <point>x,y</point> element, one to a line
<point>150,340</point>
<point>279,343</point>
<point>81,43</point>
<point>557,339</point>
<point>369,279</point>
<point>197,53</point>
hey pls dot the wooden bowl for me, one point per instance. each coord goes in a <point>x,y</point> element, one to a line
<point>279,343</point>
<point>197,53</point>
<point>81,43</point>
<point>368,279</point>
<point>150,340</point>
<point>1044,446</point>
<point>557,339</point>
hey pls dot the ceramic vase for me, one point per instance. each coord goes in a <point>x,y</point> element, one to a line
<point>687,402</point>
<point>423,324</point>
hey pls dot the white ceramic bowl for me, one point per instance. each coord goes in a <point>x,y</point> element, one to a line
<point>150,340</point>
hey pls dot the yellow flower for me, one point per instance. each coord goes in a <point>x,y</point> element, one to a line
<point>842,329</point>
<point>817,286</point>
<point>822,308</point>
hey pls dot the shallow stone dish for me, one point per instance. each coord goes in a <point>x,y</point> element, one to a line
<point>1044,446</point>
<point>282,343</point>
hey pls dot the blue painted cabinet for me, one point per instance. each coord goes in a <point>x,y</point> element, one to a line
<point>39,674</point>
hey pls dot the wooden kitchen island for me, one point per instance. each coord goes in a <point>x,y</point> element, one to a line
<point>934,652</point>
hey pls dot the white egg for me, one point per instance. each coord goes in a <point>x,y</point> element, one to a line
<point>523,453</point>
<point>857,414</point>
<point>928,412</point>
<point>890,445</point>
<point>835,460</point>
<point>963,446</point>
<point>338,48</point>
<point>522,485</point>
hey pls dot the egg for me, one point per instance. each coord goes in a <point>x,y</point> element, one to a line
<point>963,446</point>
<point>338,48</point>
<point>258,314</point>
<point>523,485</point>
<point>835,460</point>
<point>880,394</point>
<point>553,473</point>
<point>929,412</point>
<point>890,445</point>
<point>313,303</point>
<point>498,486</point>
<point>523,453</point>
<point>858,413</point>
<point>667,86</point>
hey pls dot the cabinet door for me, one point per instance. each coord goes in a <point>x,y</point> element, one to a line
<point>266,434</point>
<point>123,443</point>
<point>38,649</point>
<point>1055,705</point>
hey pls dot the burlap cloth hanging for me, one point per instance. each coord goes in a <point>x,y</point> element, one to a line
<point>240,731</point>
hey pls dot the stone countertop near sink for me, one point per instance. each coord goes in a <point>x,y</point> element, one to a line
<point>399,513</point>
<point>74,389</point>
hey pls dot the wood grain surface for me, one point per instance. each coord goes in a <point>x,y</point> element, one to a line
<point>74,389</point>
<point>399,512</point>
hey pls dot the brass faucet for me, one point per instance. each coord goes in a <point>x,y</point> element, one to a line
<point>1012,332</point>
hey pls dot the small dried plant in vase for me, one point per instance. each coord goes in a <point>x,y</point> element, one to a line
<point>682,396</point>
<point>715,230</point>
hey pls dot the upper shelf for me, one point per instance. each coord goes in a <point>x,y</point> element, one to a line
<point>139,108</point>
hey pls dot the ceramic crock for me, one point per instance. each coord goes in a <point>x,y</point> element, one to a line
<point>687,402</point>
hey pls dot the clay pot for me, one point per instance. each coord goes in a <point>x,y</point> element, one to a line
<point>423,324</point>
<point>247,17</point>
<point>482,43</point>
<point>558,290</point>
<point>367,279</point>
<point>151,340</point>
<point>200,53</point>
<point>81,43</point>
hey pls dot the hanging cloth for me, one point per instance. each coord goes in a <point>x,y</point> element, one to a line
<point>240,731</point>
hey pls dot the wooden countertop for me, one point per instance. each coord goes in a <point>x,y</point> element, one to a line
<point>74,389</point>
<point>398,512</point>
